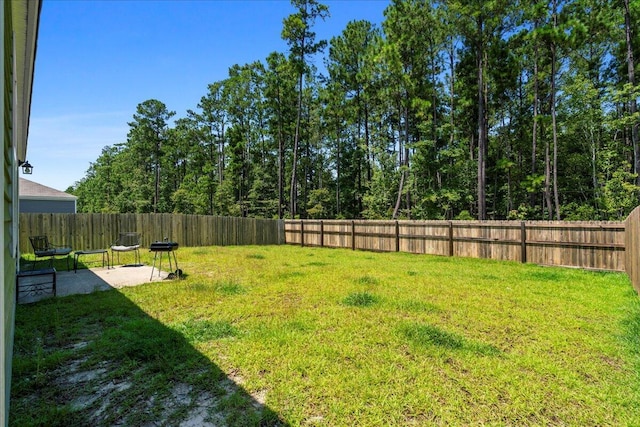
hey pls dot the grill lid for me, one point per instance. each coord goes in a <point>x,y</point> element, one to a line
<point>163,246</point>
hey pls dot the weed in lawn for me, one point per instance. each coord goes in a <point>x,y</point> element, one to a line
<point>428,335</point>
<point>256,256</point>
<point>281,333</point>
<point>367,280</point>
<point>317,264</point>
<point>360,299</point>
<point>205,330</point>
<point>417,306</point>
<point>229,288</point>
<point>202,251</point>
<point>290,275</point>
<point>200,287</point>
<point>546,274</point>
<point>38,358</point>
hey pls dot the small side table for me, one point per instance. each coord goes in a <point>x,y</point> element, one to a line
<point>34,283</point>
<point>76,255</point>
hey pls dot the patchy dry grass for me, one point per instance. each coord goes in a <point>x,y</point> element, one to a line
<point>307,336</point>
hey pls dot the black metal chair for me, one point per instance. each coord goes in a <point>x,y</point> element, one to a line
<point>127,242</point>
<point>42,248</point>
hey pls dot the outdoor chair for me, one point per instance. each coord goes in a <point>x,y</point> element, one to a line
<point>127,242</point>
<point>42,248</point>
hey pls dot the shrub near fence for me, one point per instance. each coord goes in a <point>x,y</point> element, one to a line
<point>596,245</point>
<point>99,231</point>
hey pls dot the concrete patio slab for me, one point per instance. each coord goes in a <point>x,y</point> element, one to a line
<point>86,281</point>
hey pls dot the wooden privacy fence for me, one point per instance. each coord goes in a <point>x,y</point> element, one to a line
<point>98,231</point>
<point>632,247</point>
<point>611,246</point>
<point>596,245</point>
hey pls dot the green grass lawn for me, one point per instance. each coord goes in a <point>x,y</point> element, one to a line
<point>283,335</point>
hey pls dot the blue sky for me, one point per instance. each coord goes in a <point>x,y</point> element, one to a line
<point>97,60</point>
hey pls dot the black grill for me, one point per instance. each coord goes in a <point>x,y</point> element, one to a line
<point>163,246</point>
<point>170,248</point>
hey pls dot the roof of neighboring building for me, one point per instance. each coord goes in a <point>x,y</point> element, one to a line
<point>33,190</point>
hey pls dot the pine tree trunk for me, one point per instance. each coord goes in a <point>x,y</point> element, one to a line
<point>482,136</point>
<point>451,107</point>
<point>366,140</point>
<point>338,169</point>
<point>553,117</point>
<point>294,190</point>
<point>403,159</point>
<point>280,162</point>
<point>547,179</point>
<point>632,81</point>
<point>536,100</point>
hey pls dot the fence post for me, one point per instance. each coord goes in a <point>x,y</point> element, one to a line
<point>523,242</point>
<point>450,238</point>
<point>321,233</point>
<point>397,237</point>
<point>353,235</point>
<point>301,233</point>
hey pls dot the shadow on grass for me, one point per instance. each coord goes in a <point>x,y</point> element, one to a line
<point>100,360</point>
<point>425,335</point>
<point>60,263</point>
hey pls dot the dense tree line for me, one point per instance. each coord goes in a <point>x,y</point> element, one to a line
<point>449,109</point>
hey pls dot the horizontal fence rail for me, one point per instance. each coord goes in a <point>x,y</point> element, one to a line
<point>86,231</point>
<point>593,245</point>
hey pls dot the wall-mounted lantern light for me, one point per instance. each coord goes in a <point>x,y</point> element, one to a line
<point>27,169</point>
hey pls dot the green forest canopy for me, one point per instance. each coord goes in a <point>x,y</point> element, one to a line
<point>451,109</point>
